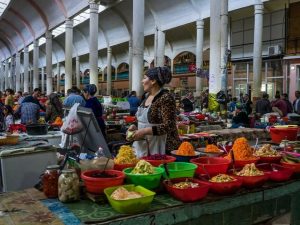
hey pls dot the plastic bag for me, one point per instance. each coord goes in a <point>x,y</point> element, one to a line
<point>72,125</point>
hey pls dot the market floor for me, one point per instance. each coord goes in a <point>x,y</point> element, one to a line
<point>282,220</point>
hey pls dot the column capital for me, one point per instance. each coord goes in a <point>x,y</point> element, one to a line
<point>48,34</point>
<point>200,24</point>
<point>77,58</point>
<point>108,49</point>
<point>258,7</point>
<point>18,54</point>
<point>26,49</point>
<point>36,43</point>
<point>69,24</point>
<point>94,7</point>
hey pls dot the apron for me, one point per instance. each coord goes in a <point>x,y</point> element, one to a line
<point>157,144</point>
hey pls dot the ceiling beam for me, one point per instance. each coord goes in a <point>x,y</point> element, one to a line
<point>40,12</point>
<point>15,29</point>
<point>24,21</point>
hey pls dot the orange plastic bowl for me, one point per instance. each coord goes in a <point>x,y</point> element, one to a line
<point>96,185</point>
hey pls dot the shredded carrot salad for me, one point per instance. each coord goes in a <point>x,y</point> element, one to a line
<point>186,148</point>
<point>242,150</point>
<point>212,148</point>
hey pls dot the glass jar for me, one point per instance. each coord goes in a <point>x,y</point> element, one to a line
<point>50,181</point>
<point>68,186</point>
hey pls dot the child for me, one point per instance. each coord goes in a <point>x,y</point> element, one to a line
<point>8,115</point>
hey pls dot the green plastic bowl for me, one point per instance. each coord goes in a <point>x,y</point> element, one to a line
<point>149,181</point>
<point>180,169</point>
<point>130,206</point>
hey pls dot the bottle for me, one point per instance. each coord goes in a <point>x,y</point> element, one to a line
<point>68,186</point>
<point>99,153</point>
<point>50,181</point>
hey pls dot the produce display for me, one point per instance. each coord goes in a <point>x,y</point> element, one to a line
<point>212,148</point>
<point>221,178</point>
<point>186,149</point>
<point>58,121</point>
<point>125,156</point>
<point>122,194</point>
<point>266,150</point>
<point>185,184</point>
<point>143,168</point>
<point>156,157</point>
<point>68,186</point>
<point>250,170</point>
<point>242,150</point>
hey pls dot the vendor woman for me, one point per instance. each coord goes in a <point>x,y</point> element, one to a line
<point>156,131</point>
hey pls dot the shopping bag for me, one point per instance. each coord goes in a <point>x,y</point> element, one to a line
<point>72,125</point>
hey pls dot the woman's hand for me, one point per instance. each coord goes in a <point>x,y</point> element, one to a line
<point>131,133</point>
<point>139,134</point>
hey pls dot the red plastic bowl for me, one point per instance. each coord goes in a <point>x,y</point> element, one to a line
<point>225,188</point>
<point>156,163</point>
<point>97,185</point>
<point>276,172</point>
<point>294,166</point>
<point>188,194</point>
<point>270,159</point>
<point>211,165</point>
<point>242,163</point>
<point>278,134</point>
<point>253,181</point>
<point>17,127</point>
<point>121,167</point>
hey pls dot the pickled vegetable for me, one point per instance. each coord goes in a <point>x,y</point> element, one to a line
<point>50,181</point>
<point>68,186</point>
<point>143,167</point>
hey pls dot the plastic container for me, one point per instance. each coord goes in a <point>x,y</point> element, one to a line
<point>50,181</point>
<point>280,133</point>
<point>150,181</point>
<point>130,206</point>
<point>180,169</point>
<point>242,163</point>
<point>184,158</point>
<point>96,185</point>
<point>225,188</point>
<point>270,159</point>
<point>253,181</point>
<point>187,194</point>
<point>159,162</point>
<point>121,167</point>
<point>20,128</point>
<point>211,165</point>
<point>68,186</point>
<point>276,172</point>
<point>294,166</point>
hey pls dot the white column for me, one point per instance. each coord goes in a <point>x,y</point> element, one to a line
<point>26,65</point>
<point>199,53</point>
<point>224,44</point>
<point>49,85</point>
<point>43,79</point>
<point>138,45</point>
<point>215,54</point>
<point>77,72</point>
<point>31,79</point>
<point>108,89</point>
<point>6,75</point>
<point>130,65</point>
<point>18,87</point>
<point>68,54</point>
<point>58,77</point>
<point>160,39</point>
<point>36,64</point>
<point>257,48</point>
<point>93,56</point>
<point>11,72</point>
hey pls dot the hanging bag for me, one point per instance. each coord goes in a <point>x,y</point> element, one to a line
<point>72,125</point>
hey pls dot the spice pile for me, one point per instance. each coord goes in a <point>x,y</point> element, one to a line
<point>126,156</point>
<point>241,150</point>
<point>186,149</point>
<point>212,148</point>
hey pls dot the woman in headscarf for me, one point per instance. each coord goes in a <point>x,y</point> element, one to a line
<point>156,131</point>
<point>92,102</point>
<point>53,108</point>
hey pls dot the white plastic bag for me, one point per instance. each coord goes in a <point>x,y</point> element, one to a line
<point>72,125</point>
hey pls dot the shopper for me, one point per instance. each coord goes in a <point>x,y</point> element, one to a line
<point>73,97</point>
<point>53,108</point>
<point>296,103</point>
<point>34,98</point>
<point>279,105</point>
<point>92,102</point>
<point>240,117</point>
<point>285,97</point>
<point>156,131</point>
<point>134,102</point>
<point>263,105</point>
<point>9,100</point>
<point>247,104</point>
<point>8,115</point>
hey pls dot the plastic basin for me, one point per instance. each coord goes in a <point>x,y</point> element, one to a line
<point>276,172</point>
<point>253,181</point>
<point>211,165</point>
<point>159,162</point>
<point>180,169</point>
<point>294,166</point>
<point>242,163</point>
<point>97,185</point>
<point>150,181</point>
<point>270,159</point>
<point>288,132</point>
<point>184,158</point>
<point>225,188</point>
<point>188,194</point>
<point>130,206</point>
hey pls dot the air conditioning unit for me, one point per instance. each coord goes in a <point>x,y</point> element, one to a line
<point>274,50</point>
